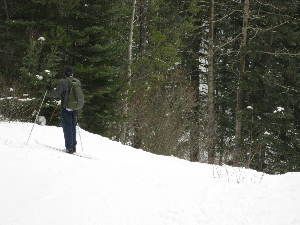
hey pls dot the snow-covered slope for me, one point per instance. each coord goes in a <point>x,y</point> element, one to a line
<point>119,185</point>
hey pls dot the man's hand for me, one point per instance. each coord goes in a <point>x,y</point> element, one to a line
<point>49,87</point>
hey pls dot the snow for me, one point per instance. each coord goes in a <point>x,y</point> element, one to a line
<point>279,109</point>
<point>39,77</point>
<point>16,98</point>
<point>26,99</point>
<point>119,185</point>
<point>41,39</point>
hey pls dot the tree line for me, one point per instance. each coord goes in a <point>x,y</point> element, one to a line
<point>205,80</point>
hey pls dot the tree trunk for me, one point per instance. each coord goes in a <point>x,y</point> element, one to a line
<point>195,133</point>
<point>194,146</point>
<point>129,72</point>
<point>143,9</point>
<point>6,9</point>
<point>125,125</point>
<point>143,26</point>
<point>211,129</point>
<point>241,79</point>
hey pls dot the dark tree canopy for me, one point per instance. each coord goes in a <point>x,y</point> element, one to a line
<point>163,106</point>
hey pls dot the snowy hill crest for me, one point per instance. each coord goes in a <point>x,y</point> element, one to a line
<point>125,186</point>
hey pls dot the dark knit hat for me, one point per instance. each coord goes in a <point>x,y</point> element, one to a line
<point>68,71</point>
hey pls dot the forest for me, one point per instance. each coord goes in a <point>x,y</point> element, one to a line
<point>214,81</point>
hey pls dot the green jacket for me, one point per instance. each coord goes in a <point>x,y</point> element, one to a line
<point>61,91</point>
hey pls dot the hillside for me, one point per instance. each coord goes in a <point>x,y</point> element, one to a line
<point>115,184</point>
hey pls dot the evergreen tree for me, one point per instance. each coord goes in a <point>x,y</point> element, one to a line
<point>157,98</point>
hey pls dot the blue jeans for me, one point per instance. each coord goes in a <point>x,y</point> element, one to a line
<point>69,121</point>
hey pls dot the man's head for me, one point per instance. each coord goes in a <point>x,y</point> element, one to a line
<point>68,71</point>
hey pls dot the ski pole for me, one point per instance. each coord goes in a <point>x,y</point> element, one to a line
<point>80,137</point>
<point>37,116</point>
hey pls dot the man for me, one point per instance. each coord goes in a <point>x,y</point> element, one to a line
<point>68,115</point>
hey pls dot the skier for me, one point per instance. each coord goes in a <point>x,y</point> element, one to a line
<point>65,89</point>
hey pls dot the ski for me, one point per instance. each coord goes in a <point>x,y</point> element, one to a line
<point>63,151</point>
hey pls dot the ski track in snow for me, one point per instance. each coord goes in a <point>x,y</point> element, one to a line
<point>119,185</point>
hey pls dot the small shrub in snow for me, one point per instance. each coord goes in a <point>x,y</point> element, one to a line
<point>279,109</point>
<point>42,120</point>
<point>15,105</point>
<point>39,77</point>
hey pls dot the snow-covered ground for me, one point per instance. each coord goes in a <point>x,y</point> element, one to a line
<point>119,185</point>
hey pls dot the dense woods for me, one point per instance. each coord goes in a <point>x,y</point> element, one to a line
<point>213,81</point>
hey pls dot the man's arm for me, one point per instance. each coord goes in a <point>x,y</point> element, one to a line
<point>58,90</point>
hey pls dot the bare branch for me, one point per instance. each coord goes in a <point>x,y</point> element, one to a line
<point>267,4</point>
<point>227,43</point>
<point>260,30</point>
<point>224,17</point>
<point>256,32</point>
<point>272,28</point>
<point>285,87</point>
<point>280,53</point>
<point>276,14</point>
